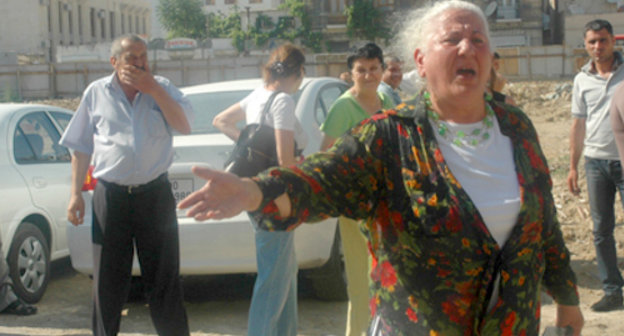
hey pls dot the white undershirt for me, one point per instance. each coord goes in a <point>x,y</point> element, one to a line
<point>487,173</point>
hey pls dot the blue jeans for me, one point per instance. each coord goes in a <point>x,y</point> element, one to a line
<point>273,310</point>
<point>604,178</point>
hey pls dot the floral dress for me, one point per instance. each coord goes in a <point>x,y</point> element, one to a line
<point>434,260</point>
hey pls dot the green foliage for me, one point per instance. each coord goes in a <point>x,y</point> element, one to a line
<point>365,21</point>
<point>310,39</point>
<point>264,29</point>
<point>220,26</point>
<point>182,18</point>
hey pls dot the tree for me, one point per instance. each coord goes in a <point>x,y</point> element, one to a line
<point>182,18</point>
<point>365,21</point>
<point>310,39</point>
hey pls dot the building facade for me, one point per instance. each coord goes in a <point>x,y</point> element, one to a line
<point>36,29</point>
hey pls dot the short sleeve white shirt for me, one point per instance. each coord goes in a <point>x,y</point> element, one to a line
<point>281,114</point>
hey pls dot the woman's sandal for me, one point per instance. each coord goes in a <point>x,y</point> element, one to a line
<point>19,307</point>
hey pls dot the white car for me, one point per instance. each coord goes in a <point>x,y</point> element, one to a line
<point>227,246</point>
<point>35,175</point>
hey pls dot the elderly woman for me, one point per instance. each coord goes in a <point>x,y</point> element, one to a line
<point>455,193</point>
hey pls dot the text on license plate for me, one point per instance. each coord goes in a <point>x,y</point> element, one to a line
<point>181,188</point>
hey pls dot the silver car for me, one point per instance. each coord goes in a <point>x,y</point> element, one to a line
<point>35,180</point>
<point>227,246</point>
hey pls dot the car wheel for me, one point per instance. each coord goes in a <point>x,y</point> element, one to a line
<point>29,263</point>
<point>329,282</point>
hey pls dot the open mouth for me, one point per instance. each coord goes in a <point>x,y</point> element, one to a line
<point>466,72</point>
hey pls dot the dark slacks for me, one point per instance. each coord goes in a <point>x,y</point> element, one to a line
<point>144,217</point>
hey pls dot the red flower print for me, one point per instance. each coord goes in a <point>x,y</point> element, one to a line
<point>411,315</point>
<point>507,324</point>
<point>388,276</point>
<point>314,185</point>
<point>536,160</point>
<point>531,232</point>
<point>453,223</point>
<point>438,156</point>
<point>372,305</point>
<point>270,208</point>
<point>402,131</point>
<point>443,273</point>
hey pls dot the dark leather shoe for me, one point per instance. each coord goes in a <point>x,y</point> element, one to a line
<point>19,307</point>
<point>608,303</point>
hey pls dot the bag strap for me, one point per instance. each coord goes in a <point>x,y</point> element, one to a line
<point>267,106</point>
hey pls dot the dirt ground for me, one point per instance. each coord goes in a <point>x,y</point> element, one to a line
<point>65,309</point>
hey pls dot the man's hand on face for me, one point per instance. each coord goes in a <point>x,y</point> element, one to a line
<point>137,77</point>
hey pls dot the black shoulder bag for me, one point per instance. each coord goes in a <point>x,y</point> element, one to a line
<point>255,148</point>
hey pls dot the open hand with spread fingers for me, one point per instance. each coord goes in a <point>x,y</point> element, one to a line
<point>224,195</point>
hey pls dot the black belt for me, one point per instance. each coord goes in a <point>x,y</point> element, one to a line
<point>136,188</point>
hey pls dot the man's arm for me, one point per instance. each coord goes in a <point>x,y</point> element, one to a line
<point>577,137</point>
<point>172,111</point>
<point>80,165</point>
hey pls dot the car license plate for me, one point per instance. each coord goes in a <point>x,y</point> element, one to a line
<point>181,188</point>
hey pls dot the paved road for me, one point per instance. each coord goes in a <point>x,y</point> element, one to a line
<point>215,305</point>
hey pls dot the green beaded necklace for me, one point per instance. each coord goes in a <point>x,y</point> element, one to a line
<point>461,138</point>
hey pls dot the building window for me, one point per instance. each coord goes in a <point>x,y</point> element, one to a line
<point>507,10</point>
<point>136,24</point>
<point>255,1</point>
<point>230,2</point>
<point>144,26</point>
<point>123,23</point>
<point>79,13</point>
<point>210,2</point>
<point>102,24</point>
<point>60,17</point>
<point>92,17</point>
<point>70,26</point>
<point>112,25</point>
<point>129,24</point>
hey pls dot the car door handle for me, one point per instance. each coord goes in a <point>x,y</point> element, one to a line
<point>39,182</point>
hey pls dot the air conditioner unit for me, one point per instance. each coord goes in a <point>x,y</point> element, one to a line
<point>67,7</point>
<point>101,14</point>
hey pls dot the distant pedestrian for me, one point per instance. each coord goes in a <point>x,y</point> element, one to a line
<point>124,126</point>
<point>391,78</point>
<point>346,77</point>
<point>591,136</point>
<point>497,82</point>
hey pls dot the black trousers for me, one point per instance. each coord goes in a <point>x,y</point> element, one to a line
<point>145,217</point>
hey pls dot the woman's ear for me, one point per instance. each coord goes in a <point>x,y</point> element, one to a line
<point>419,59</point>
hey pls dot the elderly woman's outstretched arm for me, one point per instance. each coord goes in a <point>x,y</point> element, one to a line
<point>224,195</point>
<point>342,181</point>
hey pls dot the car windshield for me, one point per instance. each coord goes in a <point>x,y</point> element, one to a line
<point>206,105</point>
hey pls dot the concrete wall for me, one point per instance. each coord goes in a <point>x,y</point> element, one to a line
<point>70,79</point>
<point>20,32</point>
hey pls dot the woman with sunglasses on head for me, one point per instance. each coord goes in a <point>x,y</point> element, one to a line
<point>273,310</point>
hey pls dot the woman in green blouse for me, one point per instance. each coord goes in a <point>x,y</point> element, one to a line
<point>454,191</point>
<point>360,102</point>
